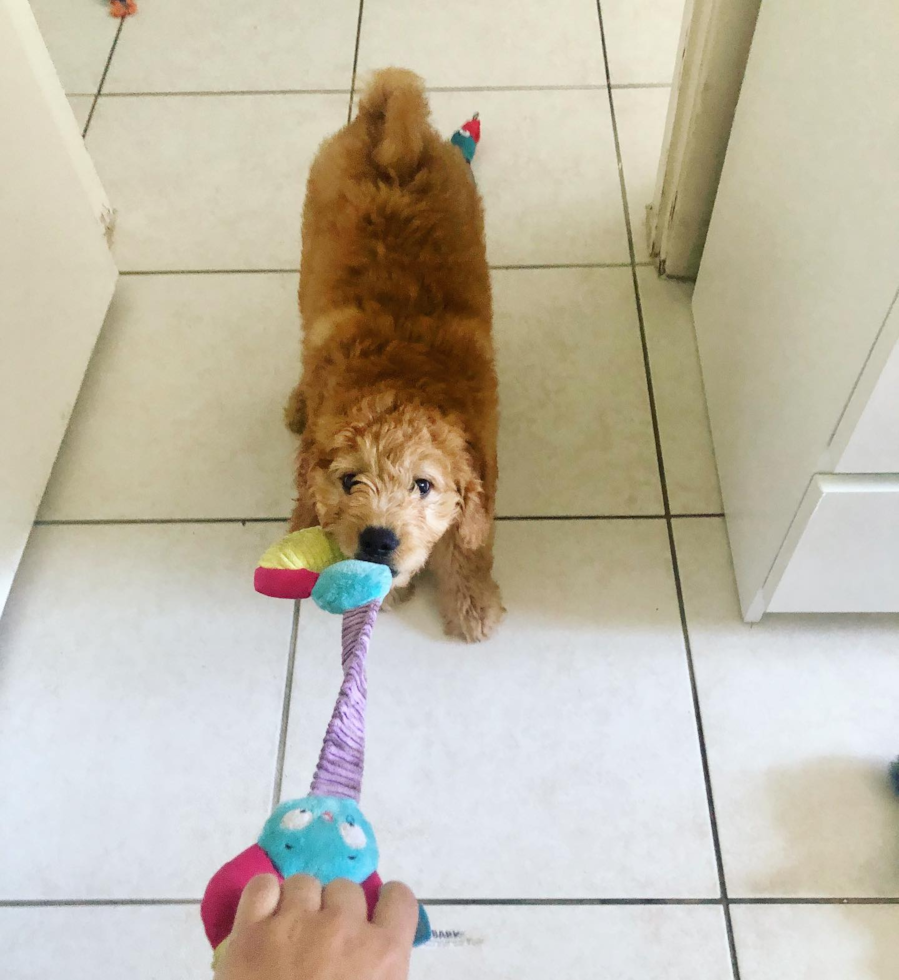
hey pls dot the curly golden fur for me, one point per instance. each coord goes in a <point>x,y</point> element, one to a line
<point>397,405</point>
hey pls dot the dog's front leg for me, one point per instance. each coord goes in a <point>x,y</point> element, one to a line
<point>469,598</point>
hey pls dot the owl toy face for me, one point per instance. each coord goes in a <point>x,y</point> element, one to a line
<point>323,836</point>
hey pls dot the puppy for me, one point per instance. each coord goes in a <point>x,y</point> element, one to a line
<point>397,404</point>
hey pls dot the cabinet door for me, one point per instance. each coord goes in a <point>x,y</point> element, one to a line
<point>801,263</point>
<point>56,274</point>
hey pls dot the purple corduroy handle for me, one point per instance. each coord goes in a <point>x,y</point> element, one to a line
<point>342,758</point>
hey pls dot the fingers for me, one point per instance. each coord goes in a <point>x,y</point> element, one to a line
<point>397,911</point>
<point>347,897</point>
<point>259,900</point>
<point>300,893</point>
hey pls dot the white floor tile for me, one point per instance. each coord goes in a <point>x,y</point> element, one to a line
<point>576,433</point>
<point>81,107</point>
<point>79,36</point>
<point>547,170</point>
<point>690,471</point>
<point>228,45</point>
<point>470,43</point>
<point>640,114</point>
<point>115,943</point>
<point>180,414</point>
<point>140,696</point>
<point>642,38</point>
<point>800,724</point>
<point>817,942</point>
<point>575,943</point>
<point>560,759</point>
<point>209,182</point>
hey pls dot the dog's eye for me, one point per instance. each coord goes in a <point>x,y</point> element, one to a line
<point>348,481</point>
<point>422,486</point>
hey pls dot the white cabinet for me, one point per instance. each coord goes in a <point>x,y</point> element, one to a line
<point>56,273</point>
<point>795,305</point>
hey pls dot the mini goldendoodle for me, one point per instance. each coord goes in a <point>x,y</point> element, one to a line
<point>397,404</point>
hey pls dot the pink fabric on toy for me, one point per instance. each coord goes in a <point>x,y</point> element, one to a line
<point>219,905</point>
<point>284,583</point>
<point>372,888</point>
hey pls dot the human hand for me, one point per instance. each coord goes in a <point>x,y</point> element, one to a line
<point>299,931</point>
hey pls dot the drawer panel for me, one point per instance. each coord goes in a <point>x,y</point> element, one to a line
<point>842,554</point>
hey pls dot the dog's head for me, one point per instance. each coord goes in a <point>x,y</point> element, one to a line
<point>389,482</point>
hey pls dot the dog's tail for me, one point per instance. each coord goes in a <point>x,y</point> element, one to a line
<point>395,111</point>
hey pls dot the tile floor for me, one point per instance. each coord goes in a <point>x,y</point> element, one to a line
<point>627,782</point>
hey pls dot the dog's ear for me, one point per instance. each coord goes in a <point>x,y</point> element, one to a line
<point>475,518</point>
<point>305,514</point>
<point>295,411</point>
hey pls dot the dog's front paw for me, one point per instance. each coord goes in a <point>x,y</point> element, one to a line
<point>396,597</point>
<point>474,617</point>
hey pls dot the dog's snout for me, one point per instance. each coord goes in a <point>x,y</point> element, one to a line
<point>378,543</point>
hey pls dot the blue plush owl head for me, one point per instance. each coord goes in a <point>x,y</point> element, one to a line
<point>324,836</point>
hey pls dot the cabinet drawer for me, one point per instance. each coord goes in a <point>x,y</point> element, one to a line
<point>842,553</point>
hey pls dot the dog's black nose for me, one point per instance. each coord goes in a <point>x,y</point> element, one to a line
<point>377,543</point>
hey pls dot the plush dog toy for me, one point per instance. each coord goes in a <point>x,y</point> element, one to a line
<point>122,8</point>
<point>324,834</point>
<point>467,137</point>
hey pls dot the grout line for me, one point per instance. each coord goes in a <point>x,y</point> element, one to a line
<point>566,902</point>
<point>516,88</point>
<point>90,521</point>
<point>867,900</point>
<point>206,272</point>
<point>285,709</point>
<point>349,110</point>
<point>569,265</point>
<point>618,902</point>
<point>681,517</point>
<point>544,88</point>
<point>113,521</point>
<point>675,569</point>
<point>294,271</point>
<point>207,93</point>
<point>479,902</point>
<point>617,85</point>
<point>598,517</point>
<point>102,82</point>
<point>40,903</point>
<point>703,751</point>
